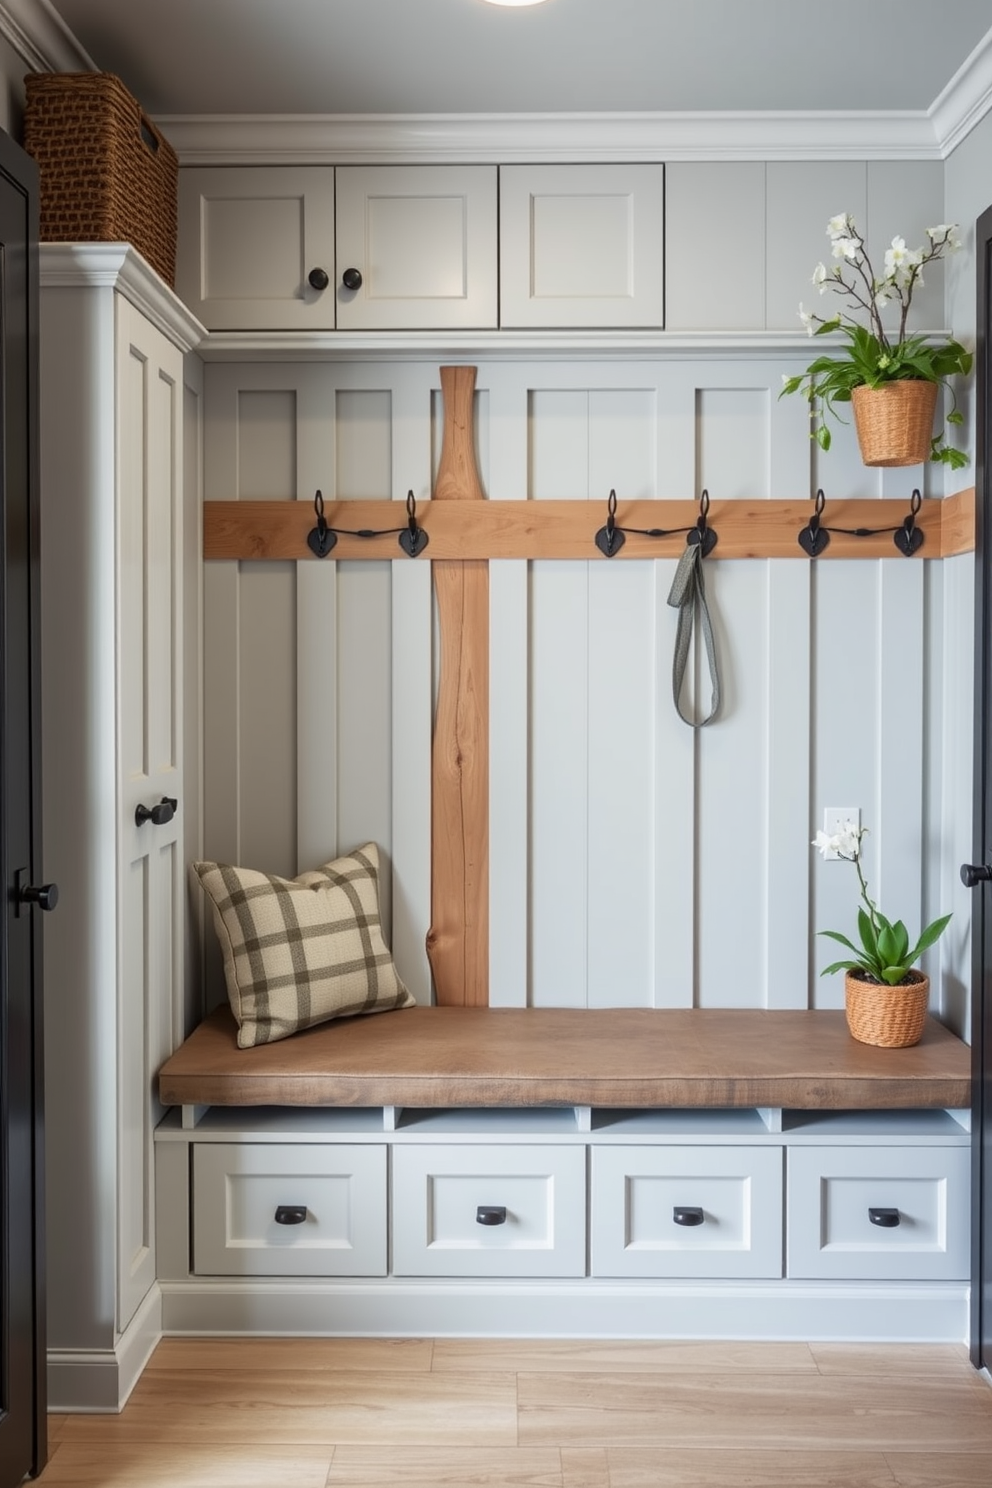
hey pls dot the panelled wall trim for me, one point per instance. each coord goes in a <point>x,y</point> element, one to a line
<point>494,346</point>
<point>120,267</point>
<point>907,1312</point>
<point>101,1380</point>
<point>369,139</point>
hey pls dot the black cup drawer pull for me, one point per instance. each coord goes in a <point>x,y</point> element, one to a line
<point>290,1214</point>
<point>886,1219</point>
<point>490,1214</point>
<point>688,1214</point>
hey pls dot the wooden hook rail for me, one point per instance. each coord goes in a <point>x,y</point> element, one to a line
<point>479,530</point>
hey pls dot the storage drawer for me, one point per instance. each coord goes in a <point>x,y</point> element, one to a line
<point>273,1209</point>
<point>895,1213</point>
<point>687,1211</point>
<point>489,1211</point>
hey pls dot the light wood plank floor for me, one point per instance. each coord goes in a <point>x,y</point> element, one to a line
<point>453,1413</point>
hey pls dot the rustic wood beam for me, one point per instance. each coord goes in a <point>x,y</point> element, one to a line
<point>478,530</point>
<point>458,939</point>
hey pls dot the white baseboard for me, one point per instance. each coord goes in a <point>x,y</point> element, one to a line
<point>100,1380</point>
<point>857,1312</point>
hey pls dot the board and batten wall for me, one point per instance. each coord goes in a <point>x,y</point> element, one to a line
<point>633,861</point>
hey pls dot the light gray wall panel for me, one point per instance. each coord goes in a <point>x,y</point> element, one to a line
<point>802,197</point>
<point>708,202</point>
<point>268,717</point>
<point>905,197</point>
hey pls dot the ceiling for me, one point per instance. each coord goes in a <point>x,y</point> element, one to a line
<point>296,57</point>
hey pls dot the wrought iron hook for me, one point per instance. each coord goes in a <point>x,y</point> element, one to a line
<point>909,538</point>
<point>320,539</point>
<point>702,535</point>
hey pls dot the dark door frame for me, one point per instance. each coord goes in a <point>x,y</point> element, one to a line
<point>23,1366</point>
<point>981,1025</point>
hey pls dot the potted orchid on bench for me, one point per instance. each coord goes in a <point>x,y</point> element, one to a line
<point>889,376</point>
<point>884,997</point>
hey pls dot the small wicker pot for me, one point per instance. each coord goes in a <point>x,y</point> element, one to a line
<point>889,1017</point>
<point>894,422</point>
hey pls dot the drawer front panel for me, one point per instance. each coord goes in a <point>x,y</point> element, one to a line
<point>331,1202</point>
<point>489,1211</point>
<point>891,1213</point>
<point>687,1211</point>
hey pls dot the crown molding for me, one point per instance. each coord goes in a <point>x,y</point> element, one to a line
<point>41,38</point>
<point>496,345</point>
<point>966,99</point>
<point>363,139</point>
<point>120,267</point>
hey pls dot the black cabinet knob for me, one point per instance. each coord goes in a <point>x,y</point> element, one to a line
<point>157,815</point>
<point>688,1214</point>
<point>318,278</point>
<point>291,1214</point>
<point>973,874</point>
<point>886,1219</point>
<point>490,1214</point>
<point>352,278</point>
<point>46,896</point>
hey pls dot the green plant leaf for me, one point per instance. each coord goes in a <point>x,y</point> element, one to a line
<point>893,975</point>
<point>836,935</point>
<point>932,933</point>
<point>840,966</point>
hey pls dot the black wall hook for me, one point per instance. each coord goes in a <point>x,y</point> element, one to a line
<point>702,535</point>
<point>814,538</point>
<point>322,538</point>
<point>909,538</point>
<point>610,539</point>
<point>413,539</point>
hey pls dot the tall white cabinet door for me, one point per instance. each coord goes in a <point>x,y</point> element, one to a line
<point>581,245</point>
<point>256,247</point>
<point>422,240</point>
<point>149,464</point>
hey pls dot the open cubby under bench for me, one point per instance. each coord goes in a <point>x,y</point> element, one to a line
<point>569,1172</point>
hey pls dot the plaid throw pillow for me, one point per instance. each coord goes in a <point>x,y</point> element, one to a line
<point>300,951</point>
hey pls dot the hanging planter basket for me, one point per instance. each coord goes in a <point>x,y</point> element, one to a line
<point>889,1017</point>
<point>895,421</point>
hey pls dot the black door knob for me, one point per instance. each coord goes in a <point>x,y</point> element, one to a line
<point>46,896</point>
<point>157,815</point>
<point>318,278</point>
<point>972,874</point>
<point>352,278</point>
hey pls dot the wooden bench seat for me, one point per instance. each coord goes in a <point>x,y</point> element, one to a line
<point>610,1058</point>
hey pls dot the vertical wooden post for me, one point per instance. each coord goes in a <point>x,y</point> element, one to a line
<point>458,940</point>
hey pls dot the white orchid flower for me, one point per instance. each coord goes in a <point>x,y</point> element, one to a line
<point>847,842</point>
<point>808,320</point>
<point>820,277</point>
<point>895,257</point>
<point>845,248</point>
<point>839,226</point>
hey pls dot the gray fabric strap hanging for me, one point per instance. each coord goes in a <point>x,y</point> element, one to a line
<point>688,595</point>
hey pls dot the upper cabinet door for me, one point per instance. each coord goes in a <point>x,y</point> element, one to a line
<point>256,247</point>
<point>418,243</point>
<point>582,245</point>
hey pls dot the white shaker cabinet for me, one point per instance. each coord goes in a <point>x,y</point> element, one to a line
<point>113,339</point>
<point>582,245</point>
<point>416,247</point>
<point>256,247</point>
